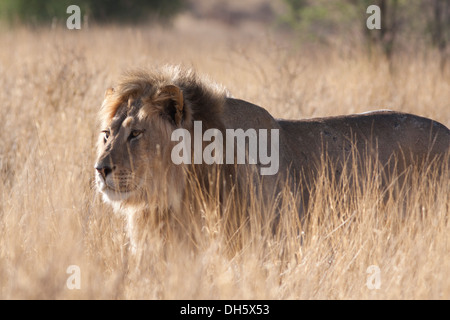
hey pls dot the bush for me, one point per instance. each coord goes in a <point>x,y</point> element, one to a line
<point>320,19</point>
<point>39,11</point>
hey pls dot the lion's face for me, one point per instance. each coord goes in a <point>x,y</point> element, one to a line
<point>134,149</point>
<point>120,170</point>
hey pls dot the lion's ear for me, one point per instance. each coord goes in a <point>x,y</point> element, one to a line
<point>173,103</point>
<point>109,92</point>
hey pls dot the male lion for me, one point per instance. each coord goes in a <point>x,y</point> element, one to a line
<point>135,169</point>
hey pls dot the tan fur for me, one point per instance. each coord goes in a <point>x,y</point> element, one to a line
<point>158,101</point>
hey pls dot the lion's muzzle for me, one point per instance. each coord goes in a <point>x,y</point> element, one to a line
<point>114,183</point>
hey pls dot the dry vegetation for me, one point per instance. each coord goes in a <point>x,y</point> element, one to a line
<point>52,83</point>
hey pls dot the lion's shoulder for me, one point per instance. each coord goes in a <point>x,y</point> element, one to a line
<point>245,115</point>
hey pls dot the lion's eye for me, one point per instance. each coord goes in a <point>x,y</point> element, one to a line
<point>106,134</point>
<point>135,134</point>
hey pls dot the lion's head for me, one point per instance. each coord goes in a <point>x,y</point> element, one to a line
<point>137,117</point>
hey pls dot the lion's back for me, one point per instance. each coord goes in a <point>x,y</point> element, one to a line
<point>386,132</point>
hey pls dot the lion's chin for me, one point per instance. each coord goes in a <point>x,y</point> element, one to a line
<point>111,195</point>
<point>115,196</point>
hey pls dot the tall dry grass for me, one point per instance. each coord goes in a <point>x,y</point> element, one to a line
<point>52,84</point>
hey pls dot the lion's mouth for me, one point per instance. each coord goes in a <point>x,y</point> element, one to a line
<point>114,189</point>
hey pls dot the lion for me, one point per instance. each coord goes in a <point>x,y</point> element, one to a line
<point>137,175</point>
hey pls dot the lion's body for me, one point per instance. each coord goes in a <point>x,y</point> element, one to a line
<point>141,114</point>
<point>385,133</point>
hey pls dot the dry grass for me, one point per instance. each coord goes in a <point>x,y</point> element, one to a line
<point>52,83</point>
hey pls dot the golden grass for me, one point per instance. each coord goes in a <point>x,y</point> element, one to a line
<point>52,83</point>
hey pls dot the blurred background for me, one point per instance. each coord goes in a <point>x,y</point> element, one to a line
<point>405,25</point>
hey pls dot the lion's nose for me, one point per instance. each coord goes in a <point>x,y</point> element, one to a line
<point>104,170</point>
